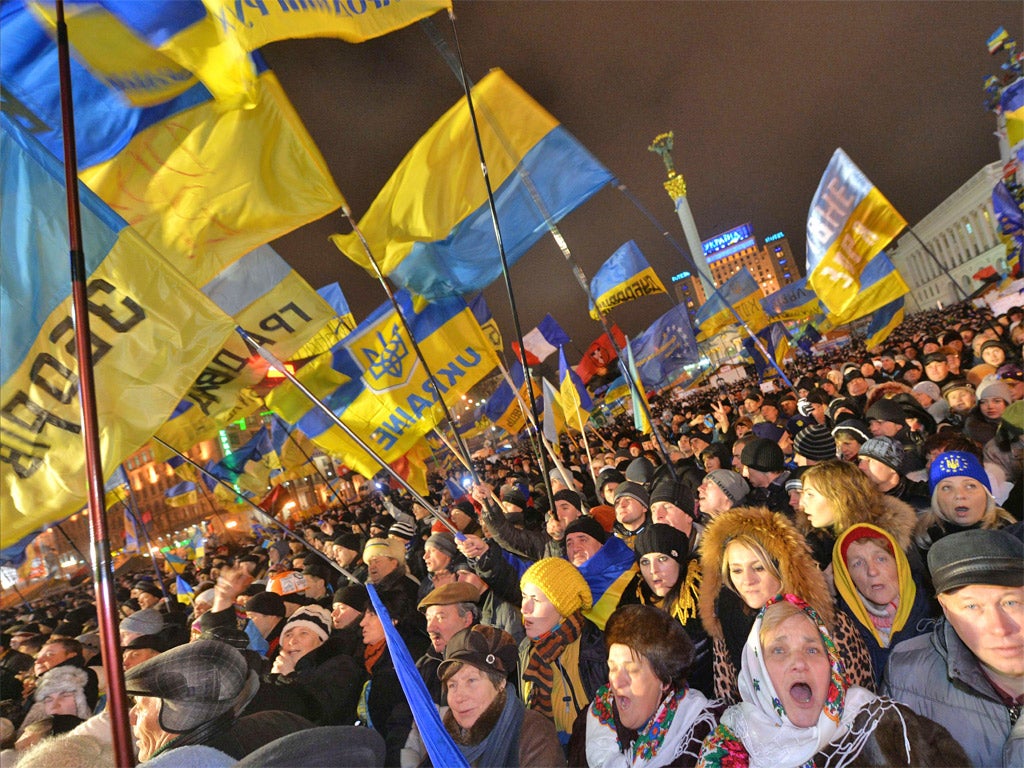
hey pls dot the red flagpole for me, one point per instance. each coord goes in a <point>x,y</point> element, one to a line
<point>102,570</point>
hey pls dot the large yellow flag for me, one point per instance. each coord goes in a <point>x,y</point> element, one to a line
<point>152,332</point>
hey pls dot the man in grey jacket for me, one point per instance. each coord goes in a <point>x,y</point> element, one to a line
<point>968,673</point>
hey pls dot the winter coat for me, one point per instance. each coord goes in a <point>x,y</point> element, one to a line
<point>728,620</point>
<point>499,605</point>
<point>938,677</point>
<point>322,688</point>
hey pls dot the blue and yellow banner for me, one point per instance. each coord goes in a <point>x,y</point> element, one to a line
<point>488,324</point>
<point>504,408</point>
<point>743,294</point>
<point>575,399</point>
<point>795,301</point>
<point>880,284</point>
<point>775,339</point>
<point>1011,225</point>
<point>849,223</point>
<point>203,184</point>
<point>152,332</point>
<point>625,276</point>
<point>883,322</point>
<point>665,348</point>
<point>1012,102</point>
<point>336,329</point>
<point>636,392</point>
<point>430,232</point>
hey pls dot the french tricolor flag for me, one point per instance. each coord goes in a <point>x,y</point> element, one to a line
<point>542,342</point>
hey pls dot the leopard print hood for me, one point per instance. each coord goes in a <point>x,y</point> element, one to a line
<point>782,541</point>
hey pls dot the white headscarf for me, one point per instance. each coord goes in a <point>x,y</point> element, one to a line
<point>760,722</point>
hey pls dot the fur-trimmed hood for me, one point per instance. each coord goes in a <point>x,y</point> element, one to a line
<point>895,517</point>
<point>781,540</point>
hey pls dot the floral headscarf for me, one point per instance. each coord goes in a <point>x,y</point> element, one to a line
<point>758,733</point>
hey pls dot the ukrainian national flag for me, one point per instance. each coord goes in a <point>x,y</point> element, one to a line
<point>336,329</point>
<point>1012,100</point>
<point>152,333</point>
<point>504,408</point>
<point>1011,225</point>
<point>203,184</point>
<point>880,284</point>
<point>388,399</point>
<point>617,390</point>
<point>742,293</point>
<point>849,223</point>
<point>608,573</point>
<point>636,391</point>
<point>431,232</point>
<point>995,42</point>
<point>182,494</point>
<point>488,324</point>
<point>795,301</point>
<point>575,398</point>
<point>883,322</point>
<point>625,276</point>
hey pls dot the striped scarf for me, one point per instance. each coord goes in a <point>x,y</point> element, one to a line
<point>540,669</point>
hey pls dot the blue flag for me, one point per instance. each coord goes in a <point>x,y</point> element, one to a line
<point>439,744</point>
<point>665,348</point>
<point>624,277</point>
<point>795,301</point>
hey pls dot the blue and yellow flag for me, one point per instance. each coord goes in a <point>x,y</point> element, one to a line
<point>880,284</point>
<point>1012,101</point>
<point>849,223</point>
<point>336,329</point>
<point>608,573</point>
<point>488,324</point>
<point>203,184</point>
<point>636,392</point>
<point>554,415</point>
<point>995,40</point>
<point>575,398</point>
<point>430,232</point>
<point>152,334</point>
<point>665,348</point>
<point>743,294</point>
<point>182,494</point>
<point>883,322</point>
<point>504,408</point>
<point>1011,225</point>
<point>775,340</point>
<point>795,301</point>
<point>624,277</point>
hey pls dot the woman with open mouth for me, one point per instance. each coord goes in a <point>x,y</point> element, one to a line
<point>647,715</point>
<point>877,591</point>
<point>961,500</point>
<point>799,710</point>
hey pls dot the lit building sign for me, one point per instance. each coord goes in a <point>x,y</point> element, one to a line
<point>776,236</point>
<point>728,243</point>
<point>680,276</point>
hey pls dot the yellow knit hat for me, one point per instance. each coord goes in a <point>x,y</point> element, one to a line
<point>562,583</point>
<point>384,547</point>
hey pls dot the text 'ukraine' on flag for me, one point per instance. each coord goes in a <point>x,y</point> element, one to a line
<point>742,293</point>
<point>849,222</point>
<point>152,333</point>
<point>625,276</point>
<point>575,399</point>
<point>388,398</point>
<point>541,342</point>
<point>795,301</point>
<point>430,228</point>
<point>665,348</point>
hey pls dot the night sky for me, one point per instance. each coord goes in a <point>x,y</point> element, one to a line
<point>759,96</point>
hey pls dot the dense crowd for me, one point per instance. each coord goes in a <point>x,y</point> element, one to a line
<point>828,573</point>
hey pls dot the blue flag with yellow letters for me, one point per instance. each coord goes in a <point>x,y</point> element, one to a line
<point>625,276</point>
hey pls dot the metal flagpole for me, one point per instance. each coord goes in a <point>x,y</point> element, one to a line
<point>264,515</point>
<point>412,338</point>
<point>110,646</point>
<point>500,243</point>
<point>269,356</point>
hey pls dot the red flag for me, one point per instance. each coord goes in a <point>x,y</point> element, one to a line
<point>600,355</point>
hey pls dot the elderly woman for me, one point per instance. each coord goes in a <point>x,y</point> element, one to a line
<point>798,708</point>
<point>876,589</point>
<point>961,499</point>
<point>749,555</point>
<point>670,580</point>
<point>562,659</point>
<point>484,716</point>
<point>647,715</point>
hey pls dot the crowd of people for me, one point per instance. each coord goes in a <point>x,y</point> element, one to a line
<point>827,573</point>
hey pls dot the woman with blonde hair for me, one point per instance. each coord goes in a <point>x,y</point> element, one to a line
<point>837,495</point>
<point>748,555</point>
<point>961,500</point>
